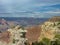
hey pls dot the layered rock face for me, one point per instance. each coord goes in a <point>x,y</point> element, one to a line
<point>4,38</point>
<point>34,33</point>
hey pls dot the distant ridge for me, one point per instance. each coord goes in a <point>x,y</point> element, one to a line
<point>3,22</point>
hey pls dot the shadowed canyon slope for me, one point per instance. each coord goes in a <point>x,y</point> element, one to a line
<point>33,33</point>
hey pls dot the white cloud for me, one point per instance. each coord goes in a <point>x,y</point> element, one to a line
<point>56,11</point>
<point>44,4</point>
<point>52,12</point>
<point>24,6</point>
<point>28,14</point>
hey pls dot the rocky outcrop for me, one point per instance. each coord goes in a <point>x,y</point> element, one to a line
<point>50,28</point>
<point>54,19</point>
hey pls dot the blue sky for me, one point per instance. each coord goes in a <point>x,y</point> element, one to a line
<point>29,8</point>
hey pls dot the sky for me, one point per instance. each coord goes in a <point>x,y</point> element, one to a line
<point>29,8</point>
